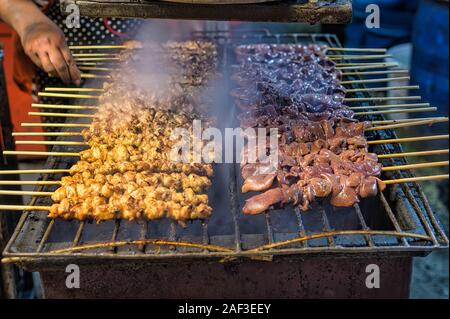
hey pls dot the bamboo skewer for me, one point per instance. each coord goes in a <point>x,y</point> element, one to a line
<point>357,49</point>
<point>409,139</point>
<point>380,99</point>
<point>359,57</point>
<point>65,143</point>
<point>52,134</point>
<point>382,80</point>
<point>416,179</point>
<point>94,76</point>
<point>36,153</point>
<point>96,59</point>
<point>98,47</point>
<point>76,96</point>
<point>95,55</point>
<point>48,114</point>
<point>34,171</point>
<point>431,120</point>
<point>93,68</point>
<point>22,193</point>
<point>413,166</point>
<point>64,89</point>
<point>396,111</point>
<point>400,125</point>
<point>420,153</point>
<point>368,67</point>
<point>356,73</point>
<point>367,64</point>
<point>55,125</point>
<point>63,106</point>
<point>389,106</point>
<point>384,89</point>
<point>24,208</point>
<point>38,183</point>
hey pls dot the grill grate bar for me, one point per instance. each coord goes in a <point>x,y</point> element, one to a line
<point>79,233</point>
<point>393,218</point>
<point>143,235</point>
<point>326,226</point>
<point>422,218</point>
<point>300,225</point>
<point>235,209</point>
<point>46,236</point>
<point>363,223</point>
<point>270,234</point>
<point>115,233</point>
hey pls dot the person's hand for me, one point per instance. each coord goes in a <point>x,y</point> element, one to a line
<point>45,44</point>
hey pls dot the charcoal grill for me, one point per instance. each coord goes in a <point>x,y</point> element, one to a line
<point>283,253</point>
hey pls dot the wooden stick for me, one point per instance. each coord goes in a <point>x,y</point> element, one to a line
<point>39,183</point>
<point>407,154</point>
<point>97,47</point>
<point>359,57</point>
<point>76,96</point>
<point>48,114</point>
<point>92,63</point>
<point>368,67</point>
<point>380,99</point>
<point>384,89</point>
<point>55,125</point>
<point>400,125</point>
<point>416,179</point>
<point>94,76</point>
<point>94,55</point>
<point>21,193</point>
<point>59,89</point>
<point>413,166</point>
<point>96,59</point>
<point>357,49</point>
<point>34,171</point>
<point>61,106</point>
<point>24,208</point>
<point>93,68</point>
<point>419,109</point>
<point>389,106</point>
<point>382,80</point>
<point>431,119</point>
<point>46,134</point>
<point>367,64</point>
<point>34,153</point>
<point>375,72</point>
<point>409,139</point>
<point>65,143</point>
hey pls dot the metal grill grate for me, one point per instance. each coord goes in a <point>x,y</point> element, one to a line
<point>400,221</point>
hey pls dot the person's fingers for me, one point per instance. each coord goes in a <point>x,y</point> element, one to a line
<point>34,57</point>
<point>46,64</point>
<point>58,61</point>
<point>70,61</point>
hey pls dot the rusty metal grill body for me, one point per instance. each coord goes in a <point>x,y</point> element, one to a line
<point>337,240</point>
<point>322,11</point>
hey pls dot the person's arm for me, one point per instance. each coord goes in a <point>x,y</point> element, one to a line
<point>42,40</point>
